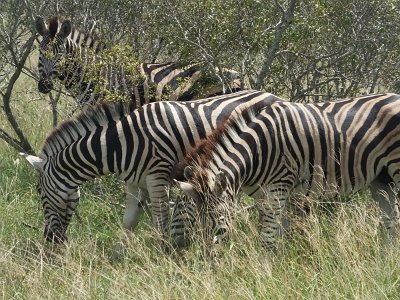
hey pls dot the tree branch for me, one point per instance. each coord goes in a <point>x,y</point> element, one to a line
<point>10,140</point>
<point>24,144</point>
<point>54,104</point>
<point>270,53</point>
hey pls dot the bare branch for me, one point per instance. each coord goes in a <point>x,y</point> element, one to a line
<point>270,53</point>
<point>10,140</point>
<point>7,97</point>
<point>280,7</point>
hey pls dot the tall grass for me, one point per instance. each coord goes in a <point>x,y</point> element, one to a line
<point>329,256</point>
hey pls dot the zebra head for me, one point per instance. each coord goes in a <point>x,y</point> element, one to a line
<point>205,201</point>
<point>52,50</point>
<point>59,199</point>
<point>185,215</point>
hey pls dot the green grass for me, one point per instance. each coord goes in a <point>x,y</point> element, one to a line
<point>338,256</point>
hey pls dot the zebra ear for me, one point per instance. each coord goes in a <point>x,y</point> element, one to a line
<point>36,162</point>
<point>188,189</point>
<point>65,30</point>
<point>221,183</point>
<point>41,27</point>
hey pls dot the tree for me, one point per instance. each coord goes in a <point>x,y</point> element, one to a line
<point>336,51</point>
<point>17,38</point>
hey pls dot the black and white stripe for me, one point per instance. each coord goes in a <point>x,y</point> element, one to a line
<point>332,148</point>
<point>140,148</point>
<point>65,53</point>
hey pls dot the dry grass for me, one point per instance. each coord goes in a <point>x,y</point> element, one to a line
<point>328,256</point>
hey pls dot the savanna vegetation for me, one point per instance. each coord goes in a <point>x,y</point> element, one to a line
<point>300,50</point>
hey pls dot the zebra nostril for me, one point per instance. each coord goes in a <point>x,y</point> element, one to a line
<point>45,86</point>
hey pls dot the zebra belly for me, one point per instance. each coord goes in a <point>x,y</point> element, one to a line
<point>141,184</point>
<point>328,185</point>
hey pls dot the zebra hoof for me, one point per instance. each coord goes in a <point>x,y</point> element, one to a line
<point>55,237</point>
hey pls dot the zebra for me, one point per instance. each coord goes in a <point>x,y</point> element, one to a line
<point>330,149</point>
<point>140,148</point>
<point>65,53</point>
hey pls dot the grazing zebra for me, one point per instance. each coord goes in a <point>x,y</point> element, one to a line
<point>330,149</point>
<point>140,148</point>
<point>68,54</point>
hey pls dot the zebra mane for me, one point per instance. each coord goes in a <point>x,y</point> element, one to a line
<point>200,156</point>
<point>77,35</point>
<point>54,26</point>
<point>92,119</point>
<point>201,153</point>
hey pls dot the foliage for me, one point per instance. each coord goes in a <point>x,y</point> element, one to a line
<point>114,71</point>
<point>336,51</point>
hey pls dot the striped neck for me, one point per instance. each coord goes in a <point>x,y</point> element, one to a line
<point>236,170</point>
<point>242,150</point>
<point>90,143</point>
<point>88,161</point>
<point>82,50</point>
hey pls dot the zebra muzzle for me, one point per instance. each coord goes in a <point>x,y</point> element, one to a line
<point>180,241</point>
<point>45,86</point>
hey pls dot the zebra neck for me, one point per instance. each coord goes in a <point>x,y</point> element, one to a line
<point>77,79</point>
<point>73,75</point>
<point>75,58</point>
<point>73,168</point>
<point>234,172</point>
<point>246,161</point>
<point>93,155</point>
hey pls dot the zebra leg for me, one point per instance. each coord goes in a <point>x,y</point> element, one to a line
<point>135,201</point>
<point>158,191</point>
<point>386,196</point>
<point>270,219</point>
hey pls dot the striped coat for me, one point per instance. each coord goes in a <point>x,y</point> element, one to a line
<point>331,148</point>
